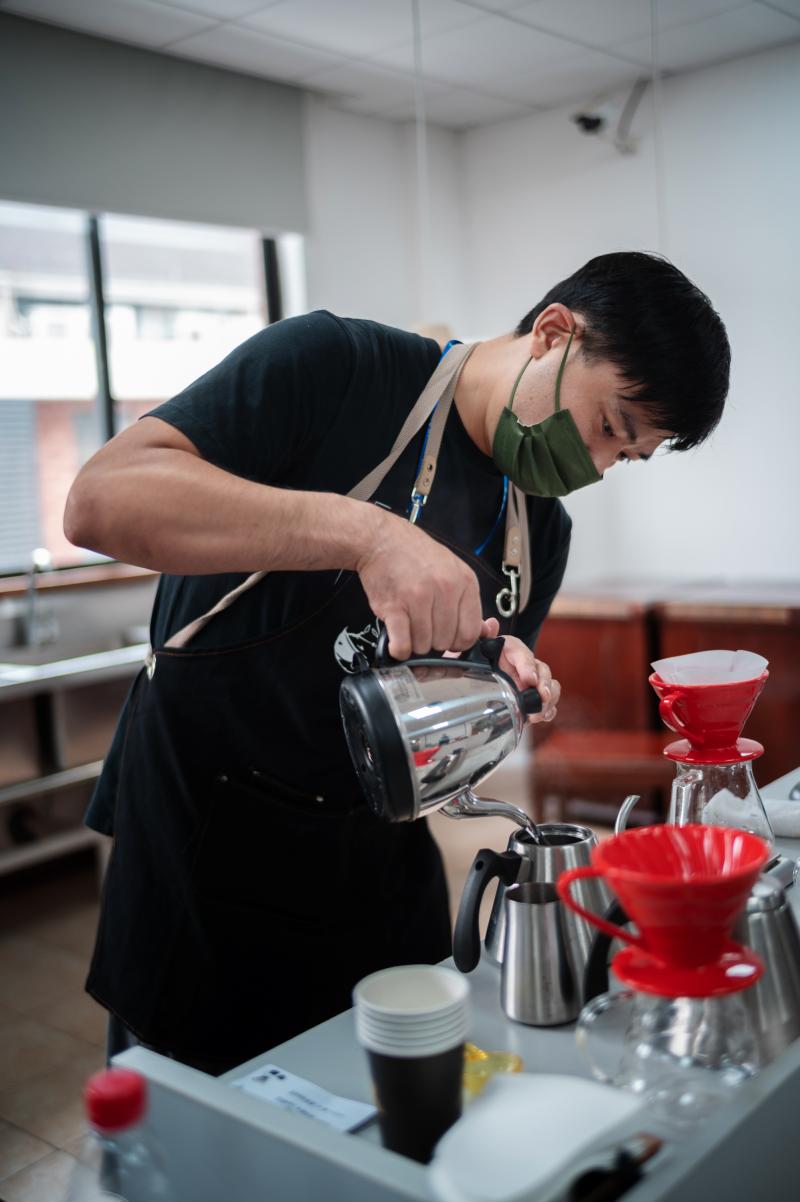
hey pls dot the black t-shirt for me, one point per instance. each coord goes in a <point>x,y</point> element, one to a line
<point>315,403</point>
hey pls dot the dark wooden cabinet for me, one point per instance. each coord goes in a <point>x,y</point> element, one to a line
<point>600,644</point>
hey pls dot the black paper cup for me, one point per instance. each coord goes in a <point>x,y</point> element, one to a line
<point>418,1098</point>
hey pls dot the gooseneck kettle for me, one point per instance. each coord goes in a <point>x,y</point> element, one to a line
<point>423,733</point>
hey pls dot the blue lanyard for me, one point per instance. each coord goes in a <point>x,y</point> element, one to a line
<point>420,501</point>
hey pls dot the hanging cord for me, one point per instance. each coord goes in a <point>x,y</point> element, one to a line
<point>658,139</point>
<point>423,224</point>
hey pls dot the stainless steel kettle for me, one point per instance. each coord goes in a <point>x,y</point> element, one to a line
<point>768,926</point>
<point>424,733</point>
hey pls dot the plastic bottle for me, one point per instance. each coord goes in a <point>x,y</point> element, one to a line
<point>119,1160</point>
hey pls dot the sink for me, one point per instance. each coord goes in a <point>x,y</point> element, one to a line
<point>77,696</point>
<point>65,663</point>
<point>63,649</point>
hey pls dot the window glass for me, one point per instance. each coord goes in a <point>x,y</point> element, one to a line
<point>179,297</point>
<point>48,379</point>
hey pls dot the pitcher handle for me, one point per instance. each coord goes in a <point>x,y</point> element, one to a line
<point>563,885</point>
<point>665,708</point>
<point>588,1017</point>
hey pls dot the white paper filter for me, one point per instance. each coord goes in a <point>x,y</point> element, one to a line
<point>710,667</point>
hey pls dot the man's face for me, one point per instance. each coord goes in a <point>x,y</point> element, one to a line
<point>614,429</point>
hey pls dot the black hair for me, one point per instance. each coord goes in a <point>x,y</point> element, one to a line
<point>643,315</point>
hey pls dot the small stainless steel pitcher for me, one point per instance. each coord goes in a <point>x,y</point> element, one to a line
<point>542,975</point>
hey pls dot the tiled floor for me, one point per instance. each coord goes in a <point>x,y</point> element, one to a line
<point>52,1034</point>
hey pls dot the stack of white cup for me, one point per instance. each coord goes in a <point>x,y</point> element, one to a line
<point>412,1011</point>
<point>412,1021</point>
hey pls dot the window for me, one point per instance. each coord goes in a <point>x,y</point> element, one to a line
<point>176,298</point>
<point>48,378</point>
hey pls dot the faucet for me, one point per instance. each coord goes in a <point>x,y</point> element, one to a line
<point>38,627</point>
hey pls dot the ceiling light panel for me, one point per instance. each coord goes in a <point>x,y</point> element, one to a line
<point>609,21</point>
<point>481,53</point>
<point>742,30</point>
<point>358,27</point>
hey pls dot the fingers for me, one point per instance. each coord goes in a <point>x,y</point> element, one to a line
<point>470,618</point>
<point>526,671</point>
<point>427,596</point>
<point>398,628</point>
<point>490,628</point>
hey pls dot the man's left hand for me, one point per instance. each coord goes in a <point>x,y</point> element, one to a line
<point>525,670</point>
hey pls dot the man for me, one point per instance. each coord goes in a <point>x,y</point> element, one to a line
<point>250,887</point>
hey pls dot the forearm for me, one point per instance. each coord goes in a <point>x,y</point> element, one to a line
<point>178,513</point>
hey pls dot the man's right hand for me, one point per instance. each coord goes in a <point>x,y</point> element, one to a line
<point>425,595</point>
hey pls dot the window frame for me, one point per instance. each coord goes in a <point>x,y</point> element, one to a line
<point>106,404</point>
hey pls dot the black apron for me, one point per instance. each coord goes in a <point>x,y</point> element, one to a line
<point>249,886</point>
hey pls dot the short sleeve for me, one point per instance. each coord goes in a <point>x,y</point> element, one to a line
<point>267,407</point>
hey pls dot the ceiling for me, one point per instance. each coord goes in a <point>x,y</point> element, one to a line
<point>482,60</point>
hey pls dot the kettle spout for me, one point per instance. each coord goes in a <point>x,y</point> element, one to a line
<point>467,805</point>
<point>621,823</point>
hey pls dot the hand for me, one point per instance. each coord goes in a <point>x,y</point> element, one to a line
<point>425,595</point>
<point>525,670</point>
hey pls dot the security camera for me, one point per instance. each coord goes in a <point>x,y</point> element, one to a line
<point>612,119</point>
<point>590,123</point>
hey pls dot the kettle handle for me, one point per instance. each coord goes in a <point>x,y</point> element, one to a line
<point>486,651</point>
<point>486,866</point>
<point>595,975</point>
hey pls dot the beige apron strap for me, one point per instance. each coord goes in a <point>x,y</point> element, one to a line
<point>516,556</point>
<point>441,386</point>
<point>526,575</point>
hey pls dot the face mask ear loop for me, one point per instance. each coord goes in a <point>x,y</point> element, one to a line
<point>561,367</point>
<point>516,382</point>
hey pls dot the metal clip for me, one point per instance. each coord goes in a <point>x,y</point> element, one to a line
<point>150,663</point>
<point>418,500</point>
<point>507,600</point>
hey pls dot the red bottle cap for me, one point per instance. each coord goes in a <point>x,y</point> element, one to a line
<point>115,1098</point>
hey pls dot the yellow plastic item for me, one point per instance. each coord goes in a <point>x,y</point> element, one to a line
<point>479,1066</point>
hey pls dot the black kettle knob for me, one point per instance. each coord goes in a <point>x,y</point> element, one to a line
<point>531,701</point>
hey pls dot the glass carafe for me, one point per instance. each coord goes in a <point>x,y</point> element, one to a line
<point>720,795</point>
<point>682,1055</point>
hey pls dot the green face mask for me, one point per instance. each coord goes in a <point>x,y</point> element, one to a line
<point>549,459</point>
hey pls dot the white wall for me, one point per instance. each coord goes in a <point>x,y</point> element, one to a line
<point>363,250</point>
<point>541,199</point>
